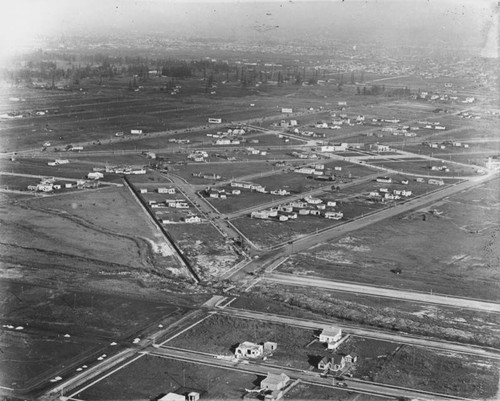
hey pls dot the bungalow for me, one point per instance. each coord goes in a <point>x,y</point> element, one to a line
<point>313,201</point>
<point>304,212</point>
<point>68,185</point>
<point>274,382</point>
<point>304,170</point>
<point>314,212</point>
<point>330,335</point>
<point>280,192</point>
<point>331,203</point>
<point>283,217</point>
<point>434,181</point>
<point>170,191</point>
<point>384,179</point>
<point>334,215</point>
<point>172,397</point>
<point>337,363</point>
<point>192,219</point>
<point>298,205</point>
<point>95,175</point>
<point>143,190</point>
<point>260,214</point>
<point>285,208</point>
<point>248,349</point>
<point>381,148</point>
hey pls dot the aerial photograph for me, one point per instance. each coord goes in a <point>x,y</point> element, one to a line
<point>253,200</point>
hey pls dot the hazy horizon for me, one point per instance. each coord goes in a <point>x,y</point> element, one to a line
<point>405,22</point>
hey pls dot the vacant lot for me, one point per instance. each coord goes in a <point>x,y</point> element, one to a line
<point>150,377</point>
<point>452,374</point>
<point>309,392</point>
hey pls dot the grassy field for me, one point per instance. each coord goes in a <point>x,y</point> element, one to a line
<point>150,377</point>
<point>309,392</point>
<point>451,374</point>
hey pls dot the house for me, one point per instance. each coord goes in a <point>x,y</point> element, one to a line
<point>331,203</point>
<point>304,212</point>
<point>313,201</point>
<point>434,181</point>
<point>274,382</point>
<point>95,175</point>
<point>193,396</point>
<point>337,363</point>
<point>170,191</point>
<point>172,397</point>
<point>381,148</point>
<point>270,346</point>
<point>143,190</point>
<point>330,335</point>
<point>384,179</point>
<point>192,219</point>
<point>334,215</point>
<point>248,349</point>
<point>260,214</point>
<point>136,131</point>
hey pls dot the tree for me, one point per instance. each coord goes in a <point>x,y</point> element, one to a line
<point>352,77</point>
<point>358,91</point>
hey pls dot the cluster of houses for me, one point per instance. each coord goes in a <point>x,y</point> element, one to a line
<point>437,97</point>
<point>229,137</point>
<point>384,194</point>
<point>308,206</point>
<point>122,170</point>
<point>274,384</point>
<point>403,130</point>
<point>51,184</point>
<point>173,203</point>
<point>318,171</point>
<point>287,124</point>
<point>207,176</point>
<point>440,168</point>
<point>443,145</point>
<point>179,141</point>
<point>198,156</point>
<point>466,114</point>
<point>235,190</point>
<point>301,155</point>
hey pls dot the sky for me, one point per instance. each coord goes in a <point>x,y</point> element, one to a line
<point>456,22</point>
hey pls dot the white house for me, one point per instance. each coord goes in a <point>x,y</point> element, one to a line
<point>331,336</point>
<point>95,175</point>
<point>192,219</point>
<point>249,349</point>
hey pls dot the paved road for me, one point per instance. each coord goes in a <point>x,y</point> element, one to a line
<point>261,368</point>
<point>397,337</point>
<point>317,282</point>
